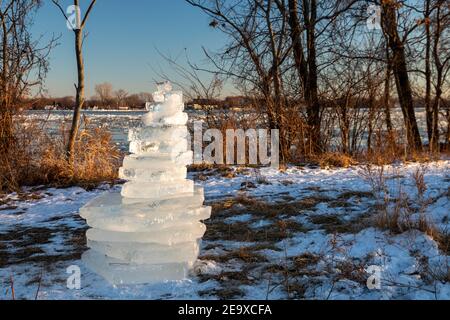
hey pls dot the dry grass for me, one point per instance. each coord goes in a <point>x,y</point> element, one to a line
<point>205,171</point>
<point>387,150</point>
<point>96,160</point>
<point>334,160</point>
<point>245,254</point>
<point>443,241</point>
<point>262,209</point>
<point>332,224</point>
<point>242,232</point>
<point>395,210</point>
<point>37,158</point>
<point>305,260</point>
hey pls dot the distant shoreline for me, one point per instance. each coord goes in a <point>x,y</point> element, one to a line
<point>87,110</point>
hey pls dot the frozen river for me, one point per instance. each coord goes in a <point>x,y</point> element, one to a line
<point>119,122</point>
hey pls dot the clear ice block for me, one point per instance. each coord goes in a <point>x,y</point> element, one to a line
<point>164,147</point>
<point>146,222</point>
<point>148,253</point>
<point>170,236</point>
<point>148,175</point>
<point>119,272</point>
<point>113,204</point>
<point>158,119</point>
<point>158,162</point>
<point>156,134</point>
<point>156,190</point>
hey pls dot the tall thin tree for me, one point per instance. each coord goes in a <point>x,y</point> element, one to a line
<point>389,23</point>
<point>78,29</point>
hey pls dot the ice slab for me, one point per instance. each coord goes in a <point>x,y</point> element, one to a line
<point>169,146</point>
<point>156,134</point>
<point>147,222</point>
<point>119,272</point>
<point>170,236</point>
<point>113,204</point>
<point>165,118</point>
<point>148,175</point>
<point>173,98</point>
<point>166,109</point>
<point>156,190</point>
<point>148,253</point>
<point>158,162</point>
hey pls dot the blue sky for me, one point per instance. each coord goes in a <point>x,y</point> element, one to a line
<point>122,41</point>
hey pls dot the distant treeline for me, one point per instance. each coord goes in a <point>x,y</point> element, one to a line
<point>138,101</point>
<point>134,101</point>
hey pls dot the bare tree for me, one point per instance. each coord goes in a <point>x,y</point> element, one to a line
<point>441,58</point>
<point>269,40</point>
<point>194,82</point>
<point>23,61</point>
<point>134,101</point>
<point>302,57</point>
<point>23,66</point>
<point>387,96</point>
<point>104,92</point>
<point>396,42</point>
<point>78,30</point>
<point>436,62</point>
<point>120,96</point>
<point>255,56</point>
<point>428,110</point>
<point>306,62</point>
<point>145,96</point>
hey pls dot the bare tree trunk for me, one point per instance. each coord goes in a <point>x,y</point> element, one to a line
<point>439,65</point>
<point>79,37</point>
<point>307,68</point>
<point>434,143</point>
<point>345,124</point>
<point>428,110</point>
<point>79,96</point>
<point>448,128</point>
<point>399,67</point>
<point>5,113</point>
<point>297,46</point>
<point>280,105</point>
<point>387,99</point>
<point>310,14</point>
<point>370,119</point>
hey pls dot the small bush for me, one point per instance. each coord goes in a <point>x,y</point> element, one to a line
<point>397,211</point>
<point>37,158</point>
<point>96,160</point>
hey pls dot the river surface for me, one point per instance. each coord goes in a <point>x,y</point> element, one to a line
<point>119,122</point>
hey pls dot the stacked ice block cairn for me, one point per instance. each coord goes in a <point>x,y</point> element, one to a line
<point>151,231</point>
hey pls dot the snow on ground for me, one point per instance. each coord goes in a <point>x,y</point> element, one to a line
<point>306,233</point>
